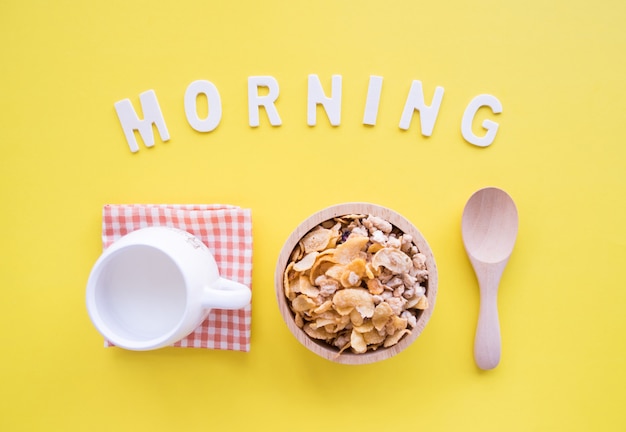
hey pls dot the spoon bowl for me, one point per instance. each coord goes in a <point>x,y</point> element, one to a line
<point>489,228</point>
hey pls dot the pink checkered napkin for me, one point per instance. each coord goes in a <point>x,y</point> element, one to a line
<point>227,231</point>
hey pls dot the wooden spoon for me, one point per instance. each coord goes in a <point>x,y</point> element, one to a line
<point>489,228</point>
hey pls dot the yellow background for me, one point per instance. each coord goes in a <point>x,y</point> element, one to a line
<point>559,69</point>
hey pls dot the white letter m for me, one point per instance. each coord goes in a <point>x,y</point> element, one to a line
<point>131,122</point>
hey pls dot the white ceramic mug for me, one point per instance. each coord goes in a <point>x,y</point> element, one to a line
<point>154,286</point>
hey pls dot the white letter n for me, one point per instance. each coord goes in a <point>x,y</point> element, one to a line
<point>428,114</point>
<point>316,96</point>
<point>152,115</point>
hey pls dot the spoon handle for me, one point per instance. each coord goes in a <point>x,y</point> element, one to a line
<point>487,344</point>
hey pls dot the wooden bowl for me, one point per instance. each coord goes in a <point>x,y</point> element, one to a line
<point>322,348</point>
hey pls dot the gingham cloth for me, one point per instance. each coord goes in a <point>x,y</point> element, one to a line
<point>227,231</point>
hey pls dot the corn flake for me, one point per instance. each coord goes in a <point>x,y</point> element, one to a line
<point>357,342</point>
<point>351,249</point>
<point>302,303</point>
<point>393,259</point>
<point>316,240</point>
<point>306,263</point>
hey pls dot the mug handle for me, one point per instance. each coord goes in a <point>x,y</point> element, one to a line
<point>226,294</point>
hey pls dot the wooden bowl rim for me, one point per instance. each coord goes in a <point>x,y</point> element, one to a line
<point>322,349</point>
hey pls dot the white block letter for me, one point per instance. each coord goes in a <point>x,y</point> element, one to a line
<point>428,114</point>
<point>490,126</point>
<point>214,102</point>
<point>255,101</point>
<point>332,104</point>
<point>151,115</point>
<point>373,100</point>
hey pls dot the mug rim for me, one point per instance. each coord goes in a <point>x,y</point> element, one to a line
<point>100,323</point>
